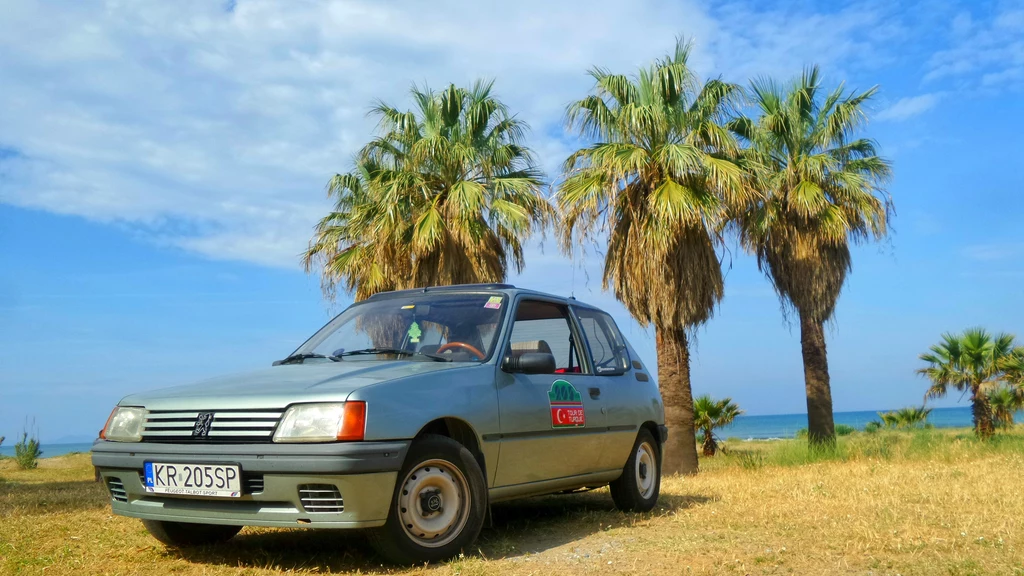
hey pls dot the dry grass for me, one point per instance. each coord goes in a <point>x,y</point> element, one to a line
<point>924,503</point>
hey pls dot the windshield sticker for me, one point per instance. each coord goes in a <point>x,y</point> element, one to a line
<point>566,406</point>
<point>494,302</point>
<point>414,333</point>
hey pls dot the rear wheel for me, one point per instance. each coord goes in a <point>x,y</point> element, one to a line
<point>439,504</point>
<point>186,534</point>
<point>638,488</point>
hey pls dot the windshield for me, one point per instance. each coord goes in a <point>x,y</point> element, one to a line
<point>455,327</point>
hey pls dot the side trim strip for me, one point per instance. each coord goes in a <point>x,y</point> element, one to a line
<point>555,433</point>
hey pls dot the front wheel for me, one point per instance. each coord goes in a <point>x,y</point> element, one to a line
<point>186,534</point>
<point>638,488</point>
<point>438,507</point>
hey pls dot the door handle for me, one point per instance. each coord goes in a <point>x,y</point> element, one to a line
<point>595,393</point>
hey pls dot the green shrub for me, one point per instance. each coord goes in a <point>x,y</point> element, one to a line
<point>873,426</point>
<point>27,452</point>
<point>841,430</point>
<point>797,453</point>
<point>844,430</point>
<point>881,446</point>
<point>910,417</point>
<point>751,460</point>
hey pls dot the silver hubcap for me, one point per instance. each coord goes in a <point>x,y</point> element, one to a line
<point>646,470</point>
<point>434,503</point>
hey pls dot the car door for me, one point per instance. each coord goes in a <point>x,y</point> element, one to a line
<point>550,425</point>
<point>623,403</point>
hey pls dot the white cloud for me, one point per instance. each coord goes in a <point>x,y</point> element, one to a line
<point>994,252</point>
<point>909,107</point>
<point>215,130</point>
<point>983,52</point>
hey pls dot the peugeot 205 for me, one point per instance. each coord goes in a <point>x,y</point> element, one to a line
<point>406,416</point>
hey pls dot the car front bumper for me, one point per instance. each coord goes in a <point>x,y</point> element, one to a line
<point>363,472</point>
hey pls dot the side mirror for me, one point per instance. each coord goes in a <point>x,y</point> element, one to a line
<point>530,363</point>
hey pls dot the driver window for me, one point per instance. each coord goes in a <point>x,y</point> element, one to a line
<point>544,327</point>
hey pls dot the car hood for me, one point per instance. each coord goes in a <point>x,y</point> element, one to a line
<point>279,386</point>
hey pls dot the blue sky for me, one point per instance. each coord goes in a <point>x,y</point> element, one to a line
<point>161,165</point>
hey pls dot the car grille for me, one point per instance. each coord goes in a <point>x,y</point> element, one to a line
<point>253,426</point>
<point>321,498</point>
<point>117,491</point>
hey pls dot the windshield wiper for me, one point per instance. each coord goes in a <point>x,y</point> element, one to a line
<point>300,358</point>
<point>396,352</point>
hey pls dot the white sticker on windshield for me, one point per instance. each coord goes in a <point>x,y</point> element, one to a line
<point>494,302</point>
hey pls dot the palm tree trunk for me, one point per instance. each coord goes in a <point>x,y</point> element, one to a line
<point>680,452</point>
<point>981,409</point>
<point>820,426</point>
<point>709,447</point>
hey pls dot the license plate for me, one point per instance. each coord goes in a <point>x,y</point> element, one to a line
<point>218,480</point>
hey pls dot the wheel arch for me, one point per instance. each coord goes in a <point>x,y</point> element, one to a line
<point>652,427</point>
<point>459,430</point>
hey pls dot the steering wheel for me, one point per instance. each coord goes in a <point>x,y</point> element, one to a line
<point>469,347</point>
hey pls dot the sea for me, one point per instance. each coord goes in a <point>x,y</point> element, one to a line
<point>744,427</point>
<point>50,450</point>
<point>786,425</point>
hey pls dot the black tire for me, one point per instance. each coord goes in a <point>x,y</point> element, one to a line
<point>628,491</point>
<point>428,457</point>
<point>186,534</point>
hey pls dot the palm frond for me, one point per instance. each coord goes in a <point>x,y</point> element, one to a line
<point>818,188</point>
<point>658,182</point>
<point>445,193</point>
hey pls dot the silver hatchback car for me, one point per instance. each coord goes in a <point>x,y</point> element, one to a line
<point>406,415</point>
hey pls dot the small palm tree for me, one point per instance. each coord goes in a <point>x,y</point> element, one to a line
<point>657,183</point>
<point>822,190</point>
<point>446,194</point>
<point>709,414</point>
<point>1006,401</point>
<point>977,363</point>
<point>911,417</point>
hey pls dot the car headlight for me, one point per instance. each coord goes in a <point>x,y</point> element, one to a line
<point>322,422</point>
<point>124,425</point>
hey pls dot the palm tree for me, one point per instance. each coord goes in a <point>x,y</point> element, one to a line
<point>657,183</point>
<point>349,247</point>
<point>709,414</point>
<point>822,190</point>
<point>1006,401</point>
<point>445,194</point>
<point>911,417</point>
<point>977,363</point>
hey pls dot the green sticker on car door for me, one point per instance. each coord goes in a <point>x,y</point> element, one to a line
<point>566,405</point>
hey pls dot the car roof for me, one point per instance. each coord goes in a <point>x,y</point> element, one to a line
<point>508,289</point>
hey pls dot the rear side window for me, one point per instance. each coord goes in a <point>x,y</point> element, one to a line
<point>607,347</point>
